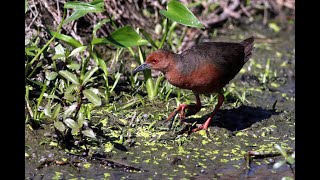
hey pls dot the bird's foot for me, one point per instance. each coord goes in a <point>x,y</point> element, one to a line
<point>192,109</point>
<point>203,126</point>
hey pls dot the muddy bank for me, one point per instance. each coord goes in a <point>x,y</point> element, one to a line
<point>258,113</point>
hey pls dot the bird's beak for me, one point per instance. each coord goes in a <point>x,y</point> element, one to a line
<point>141,68</point>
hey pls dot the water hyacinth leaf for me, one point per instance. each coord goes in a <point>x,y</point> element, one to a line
<point>77,50</point>
<point>59,125</point>
<point>98,26</point>
<point>92,97</point>
<point>82,8</point>
<point>123,37</point>
<point>89,133</point>
<point>68,39</point>
<point>70,110</point>
<point>71,123</point>
<point>179,13</point>
<point>88,75</point>
<point>70,77</point>
<point>51,75</point>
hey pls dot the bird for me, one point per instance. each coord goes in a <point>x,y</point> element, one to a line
<point>204,68</point>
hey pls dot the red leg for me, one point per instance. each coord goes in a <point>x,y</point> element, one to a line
<point>216,109</point>
<point>182,107</point>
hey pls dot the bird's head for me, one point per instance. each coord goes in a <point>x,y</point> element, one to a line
<point>158,60</point>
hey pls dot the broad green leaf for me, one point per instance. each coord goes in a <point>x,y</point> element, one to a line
<point>59,125</point>
<point>74,66</point>
<point>123,37</point>
<point>70,76</point>
<point>92,97</point>
<point>82,8</point>
<point>98,26</point>
<point>56,111</point>
<point>75,15</point>
<point>149,38</point>
<point>71,123</point>
<point>69,97</point>
<point>51,75</point>
<point>179,13</point>
<point>68,39</point>
<point>77,50</point>
<point>75,131</point>
<point>93,6</point>
<point>69,110</point>
<point>89,133</point>
<point>88,75</point>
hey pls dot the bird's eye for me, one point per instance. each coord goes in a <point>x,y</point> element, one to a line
<point>154,61</point>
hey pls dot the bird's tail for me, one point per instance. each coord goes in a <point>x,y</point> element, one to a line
<point>248,47</point>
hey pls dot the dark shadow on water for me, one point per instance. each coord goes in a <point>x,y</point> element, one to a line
<point>237,118</point>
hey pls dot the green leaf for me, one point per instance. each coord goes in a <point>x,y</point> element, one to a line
<point>74,66</point>
<point>103,66</point>
<point>58,56</point>
<point>123,37</point>
<point>51,75</point>
<point>56,111</point>
<point>69,97</point>
<point>77,50</point>
<point>89,133</point>
<point>88,75</point>
<point>92,97</point>
<point>59,125</point>
<point>93,6</point>
<point>149,38</point>
<point>75,15</point>
<point>69,110</point>
<point>68,39</point>
<point>98,26</point>
<point>71,123</point>
<point>75,131</point>
<point>70,77</point>
<point>82,8</point>
<point>179,13</point>
<point>47,110</point>
<point>80,119</point>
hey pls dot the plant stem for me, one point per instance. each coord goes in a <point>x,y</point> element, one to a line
<point>147,77</point>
